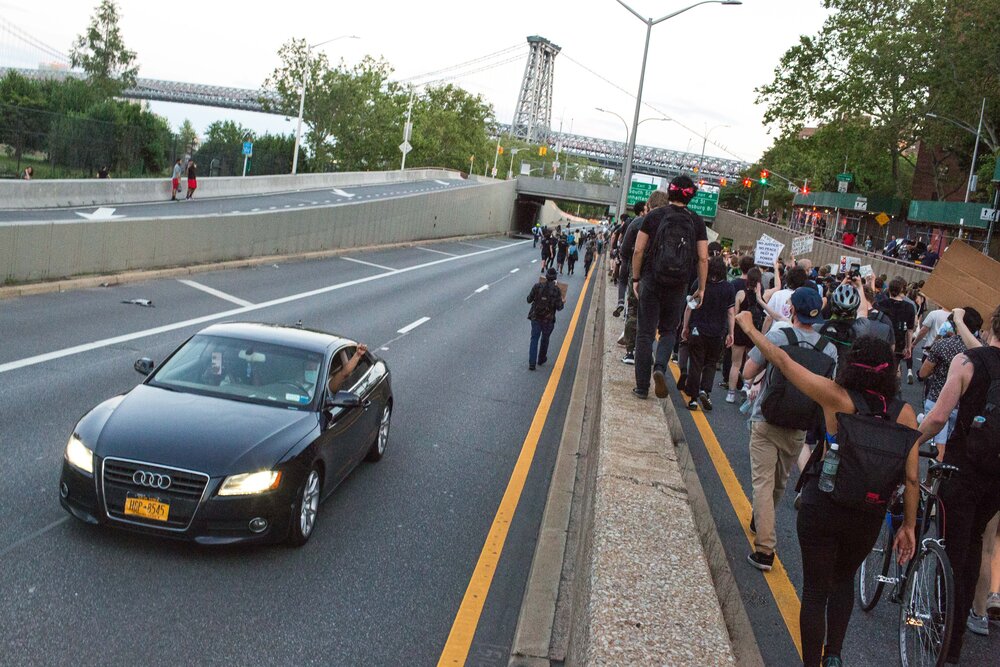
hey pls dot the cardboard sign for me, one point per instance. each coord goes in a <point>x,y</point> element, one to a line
<point>768,250</point>
<point>965,277</point>
<point>846,261</point>
<point>563,287</point>
<point>866,271</point>
<point>802,245</point>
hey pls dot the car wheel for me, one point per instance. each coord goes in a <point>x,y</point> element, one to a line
<point>377,449</point>
<point>306,509</point>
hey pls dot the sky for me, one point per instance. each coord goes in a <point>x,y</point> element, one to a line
<point>703,65</point>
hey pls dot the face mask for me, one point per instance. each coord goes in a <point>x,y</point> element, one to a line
<point>946,329</point>
<point>311,376</point>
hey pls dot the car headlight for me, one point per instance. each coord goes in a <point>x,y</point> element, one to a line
<point>250,483</point>
<point>79,455</point>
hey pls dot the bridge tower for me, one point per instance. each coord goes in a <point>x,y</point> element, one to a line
<point>533,114</point>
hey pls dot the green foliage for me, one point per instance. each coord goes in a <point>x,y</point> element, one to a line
<point>21,129</point>
<point>450,125</point>
<point>101,52</point>
<point>187,138</point>
<point>221,152</point>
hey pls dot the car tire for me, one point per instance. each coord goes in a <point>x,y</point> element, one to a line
<point>377,450</point>
<point>306,508</point>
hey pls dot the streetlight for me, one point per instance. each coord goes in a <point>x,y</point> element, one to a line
<point>704,140</point>
<point>302,98</point>
<point>663,118</point>
<point>510,169</point>
<point>627,168</point>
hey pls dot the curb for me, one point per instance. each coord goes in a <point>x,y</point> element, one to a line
<point>741,635</point>
<point>127,277</point>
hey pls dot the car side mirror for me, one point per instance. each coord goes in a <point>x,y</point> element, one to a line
<point>342,399</point>
<point>145,365</point>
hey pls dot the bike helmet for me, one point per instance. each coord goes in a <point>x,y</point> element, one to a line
<point>845,299</point>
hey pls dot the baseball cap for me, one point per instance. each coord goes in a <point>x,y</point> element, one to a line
<point>808,305</point>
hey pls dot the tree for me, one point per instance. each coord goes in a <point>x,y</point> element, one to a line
<point>449,125</point>
<point>101,52</point>
<point>187,138</point>
<point>23,121</point>
<point>282,90</point>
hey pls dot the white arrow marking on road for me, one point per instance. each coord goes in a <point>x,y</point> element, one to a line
<point>442,182</point>
<point>413,325</point>
<point>515,270</point>
<point>482,289</point>
<point>341,193</point>
<point>100,214</point>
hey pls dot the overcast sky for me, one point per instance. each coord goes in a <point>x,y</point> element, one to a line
<point>703,65</point>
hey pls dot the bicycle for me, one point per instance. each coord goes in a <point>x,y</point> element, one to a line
<point>925,587</point>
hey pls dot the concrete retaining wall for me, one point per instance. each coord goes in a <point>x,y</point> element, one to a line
<point>47,251</point>
<point>44,193</point>
<point>745,231</point>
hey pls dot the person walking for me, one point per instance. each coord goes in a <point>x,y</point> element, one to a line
<point>192,179</point>
<point>545,298</point>
<point>572,255</point>
<point>175,180</point>
<point>903,314</point>
<point>626,249</point>
<point>708,330</point>
<point>670,248</point>
<point>971,495</point>
<point>588,257</point>
<point>747,300</point>
<point>561,250</point>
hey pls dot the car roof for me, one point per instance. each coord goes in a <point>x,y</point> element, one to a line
<point>303,338</point>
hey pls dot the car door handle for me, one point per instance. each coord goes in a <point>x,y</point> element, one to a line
<point>366,403</point>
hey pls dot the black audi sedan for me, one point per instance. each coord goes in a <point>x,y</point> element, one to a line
<point>233,438</point>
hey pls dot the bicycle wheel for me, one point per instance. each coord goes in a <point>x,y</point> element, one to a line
<point>925,615</point>
<point>875,567</point>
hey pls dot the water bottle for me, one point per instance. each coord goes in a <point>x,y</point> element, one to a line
<point>978,421</point>
<point>746,407</point>
<point>831,462</point>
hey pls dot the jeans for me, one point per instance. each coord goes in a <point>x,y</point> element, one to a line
<point>703,355</point>
<point>834,542</point>
<point>660,310</point>
<point>538,350</point>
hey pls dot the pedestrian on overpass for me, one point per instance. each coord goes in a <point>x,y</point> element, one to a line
<point>670,248</point>
<point>545,298</point>
<point>175,180</point>
<point>192,179</point>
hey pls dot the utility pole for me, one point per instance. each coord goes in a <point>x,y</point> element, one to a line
<point>975,152</point>
<point>407,130</point>
<point>496,156</point>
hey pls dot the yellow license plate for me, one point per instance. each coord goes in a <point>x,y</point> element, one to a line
<point>147,508</point>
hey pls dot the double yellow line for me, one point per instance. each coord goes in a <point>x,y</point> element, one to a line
<point>463,629</point>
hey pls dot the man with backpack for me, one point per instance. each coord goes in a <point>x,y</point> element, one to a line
<point>545,298</point>
<point>670,248</point>
<point>972,495</point>
<point>903,314</point>
<point>781,415</point>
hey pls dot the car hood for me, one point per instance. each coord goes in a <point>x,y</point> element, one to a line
<point>201,433</point>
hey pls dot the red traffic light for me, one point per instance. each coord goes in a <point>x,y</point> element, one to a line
<point>805,189</point>
<point>747,183</point>
<point>723,182</point>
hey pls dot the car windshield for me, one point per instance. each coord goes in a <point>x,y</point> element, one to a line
<point>242,370</point>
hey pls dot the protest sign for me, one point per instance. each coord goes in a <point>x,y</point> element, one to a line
<point>802,245</point>
<point>846,261</point>
<point>965,277</point>
<point>767,251</point>
<point>866,271</point>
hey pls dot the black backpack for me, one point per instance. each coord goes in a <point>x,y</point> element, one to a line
<point>546,301</point>
<point>673,248</point>
<point>873,450</point>
<point>782,403</point>
<point>982,444</point>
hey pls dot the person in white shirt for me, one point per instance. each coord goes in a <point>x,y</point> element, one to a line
<point>780,301</point>
<point>929,331</point>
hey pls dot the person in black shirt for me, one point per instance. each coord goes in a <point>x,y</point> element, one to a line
<point>971,496</point>
<point>661,306</point>
<point>708,330</point>
<point>545,298</point>
<point>192,179</point>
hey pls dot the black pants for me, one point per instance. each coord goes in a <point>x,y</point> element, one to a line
<point>586,265</point>
<point>727,365</point>
<point>660,310</point>
<point>570,263</point>
<point>834,542</point>
<point>703,356</point>
<point>970,501</point>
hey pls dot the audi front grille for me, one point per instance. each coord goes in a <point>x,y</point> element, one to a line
<point>181,489</point>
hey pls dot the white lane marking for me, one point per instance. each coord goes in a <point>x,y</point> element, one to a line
<point>302,204</point>
<point>314,203</point>
<point>482,289</point>
<point>472,244</point>
<point>533,261</point>
<point>254,210</point>
<point>515,270</point>
<point>166,328</point>
<point>271,208</point>
<point>38,533</point>
<point>287,205</point>
<point>326,201</point>
<point>341,193</point>
<point>442,182</point>
<point>361,261</point>
<point>413,325</point>
<point>234,211</point>
<point>440,252</point>
<point>101,213</point>
<point>214,292</point>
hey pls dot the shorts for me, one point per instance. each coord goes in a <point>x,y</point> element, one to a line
<point>192,184</point>
<point>175,183</point>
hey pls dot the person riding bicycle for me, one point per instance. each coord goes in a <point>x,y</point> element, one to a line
<point>834,538</point>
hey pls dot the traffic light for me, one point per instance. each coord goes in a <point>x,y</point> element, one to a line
<point>723,182</point>
<point>696,170</point>
<point>543,151</point>
<point>499,150</point>
<point>763,176</point>
<point>747,183</point>
<point>805,189</point>
<point>701,183</point>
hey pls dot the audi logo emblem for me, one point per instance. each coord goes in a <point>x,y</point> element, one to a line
<point>153,480</point>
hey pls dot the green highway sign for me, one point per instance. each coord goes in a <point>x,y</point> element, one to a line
<point>706,201</point>
<point>639,192</point>
<point>845,177</point>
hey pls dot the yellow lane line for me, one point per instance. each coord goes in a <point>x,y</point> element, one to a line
<point>463,629</point>
<point>777,579</point>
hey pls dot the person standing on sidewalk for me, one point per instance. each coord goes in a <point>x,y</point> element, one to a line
<point>677,244</point>
<point>175,180</point>
<point>708,330</point>
<point>773,449</point>
<point>545,298</point>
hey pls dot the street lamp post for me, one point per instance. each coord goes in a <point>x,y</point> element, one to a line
<point>660,118</point>
<point>627,169</point>
<point>510,169</point>
<point>704,140</point>
<point>302,98</point>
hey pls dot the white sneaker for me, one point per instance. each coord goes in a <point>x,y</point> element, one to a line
<point>730,396</point>
<point>979,625</point>
<point>909,377</point>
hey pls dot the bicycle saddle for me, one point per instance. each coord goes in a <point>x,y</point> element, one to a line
<point>941,470</point>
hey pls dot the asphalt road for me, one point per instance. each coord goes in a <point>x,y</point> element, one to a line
<point>233,205</point>
<point>382,578</point>
<point>872,638</point>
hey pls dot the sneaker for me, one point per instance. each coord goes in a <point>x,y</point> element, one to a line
<point>531,367</point>
<point>629,359</point>
<point>762,561</point>
<point>979,625</point>
<point>640,394</point>
<point>723,385</point>
<point>660,382</point>
<point>621,340</point>
<point>541,362</point>
<point>692,405</point>
<point>730,396</point>
<point>705,399</point>
<point>909,377</point>
<point>832,661</point>
<point>753,524</point>
<point>993,606</point>
<point>617,312</point>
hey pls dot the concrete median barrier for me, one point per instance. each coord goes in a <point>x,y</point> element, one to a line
<point>48,251</point>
